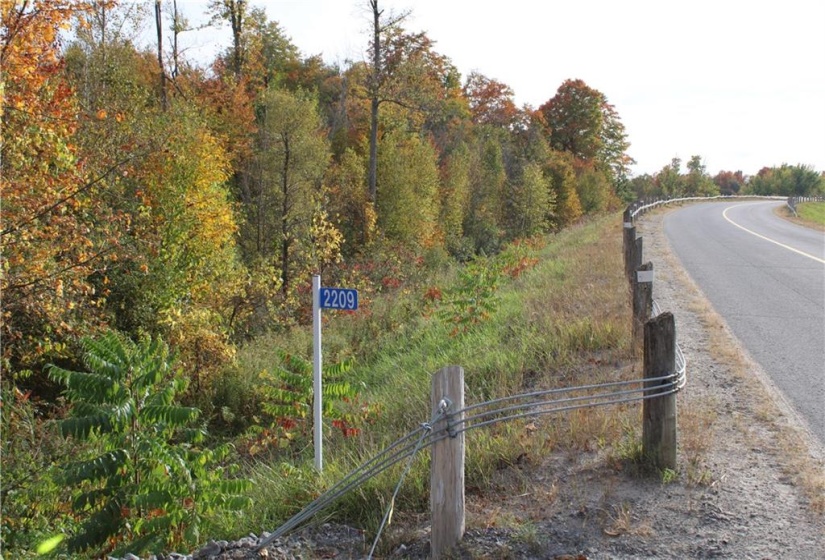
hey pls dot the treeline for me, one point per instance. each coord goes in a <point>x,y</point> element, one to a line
<point>785,180</point>
<point>148,194</point>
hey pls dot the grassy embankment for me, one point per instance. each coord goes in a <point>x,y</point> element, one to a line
<point>562,321</point>
<point>812,214</point>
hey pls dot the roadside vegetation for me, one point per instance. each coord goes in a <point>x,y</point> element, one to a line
<point>161,221</point>
<point>812,213</point>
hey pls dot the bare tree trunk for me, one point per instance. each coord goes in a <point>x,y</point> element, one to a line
<point>285,219</point>
<point>374,101</point>
<point>176,30</point>
<point>159,27</point>
<point>237,9</point>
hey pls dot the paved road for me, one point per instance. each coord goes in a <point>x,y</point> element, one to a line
<point>766,277</point>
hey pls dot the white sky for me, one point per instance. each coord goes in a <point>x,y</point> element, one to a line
<point>739,82</point>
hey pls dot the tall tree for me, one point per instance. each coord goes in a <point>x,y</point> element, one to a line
<point>491,101</point>
<point>375,87</point>
<point>234,12</point>
<point>581,121</point>
<point>161,68</point>
<point>290,163</point>
<point>698,182</point>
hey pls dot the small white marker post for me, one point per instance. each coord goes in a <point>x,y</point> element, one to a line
<point>316,371</point>
<point>324,298</point>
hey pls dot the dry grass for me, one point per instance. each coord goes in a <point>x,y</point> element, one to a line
<point>620,521</point>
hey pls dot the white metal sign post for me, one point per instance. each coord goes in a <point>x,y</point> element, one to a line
<point>316,371</point>
<point>324,298</point>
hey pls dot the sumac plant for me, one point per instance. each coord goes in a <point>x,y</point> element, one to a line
<point>151,482</point>
<point>287,401</point>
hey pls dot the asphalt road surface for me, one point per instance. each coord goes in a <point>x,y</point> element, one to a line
<point>766,277</point>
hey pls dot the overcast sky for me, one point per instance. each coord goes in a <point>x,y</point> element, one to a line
<point>739,82</point>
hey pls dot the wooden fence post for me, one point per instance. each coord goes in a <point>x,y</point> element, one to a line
<point>627,238</point>
<point>642,302</point>
<point>629,249</point>
<point>447,466</point>
<point>659,413</point>
<point>636,255</point>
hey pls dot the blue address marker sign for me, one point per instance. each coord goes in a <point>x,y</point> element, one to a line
<point>339,298</point>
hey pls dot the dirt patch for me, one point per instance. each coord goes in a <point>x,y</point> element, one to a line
<point>750,482</point>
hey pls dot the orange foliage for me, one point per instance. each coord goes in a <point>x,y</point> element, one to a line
<point>47,248</point>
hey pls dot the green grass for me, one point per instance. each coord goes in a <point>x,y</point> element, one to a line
<point>562,322</point>
<point>813,212</point>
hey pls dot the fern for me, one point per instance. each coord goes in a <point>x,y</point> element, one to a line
<point>144,490</point>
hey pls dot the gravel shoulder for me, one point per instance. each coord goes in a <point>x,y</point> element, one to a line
<point>751,480</point>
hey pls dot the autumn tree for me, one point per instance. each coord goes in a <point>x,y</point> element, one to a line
<point>490,101</point>
<point>407,73</point>
<point>669,180</point>
<point>55,231</point>
<point>580,121</point>
<point>729,182</point>
<point>350,210</point>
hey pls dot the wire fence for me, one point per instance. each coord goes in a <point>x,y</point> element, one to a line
<point>794,200</point>
<point>448,423</point>
<point>643,205</point>
<point>483,415</point>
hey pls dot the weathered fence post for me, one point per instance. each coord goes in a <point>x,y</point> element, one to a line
<point>659,413</point>
<point>642,302</point>
<point>635,255</point>
<point>447,467</point>
<point>629,236</point>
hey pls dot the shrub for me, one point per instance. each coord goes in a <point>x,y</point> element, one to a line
<point>150,483</point>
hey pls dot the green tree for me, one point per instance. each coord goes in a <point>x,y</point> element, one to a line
<point>562,176</point>
<point>151,484</point>
<point>643,186</point>
<point>407,203</point>
<point>669,179</point>
<point>482,222</point>
<point>787,180</point>
<point>529,203</point>
<point>595,190</point>
<point>282,194</point>
<point>697,182</point>
<point>455,196</point>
